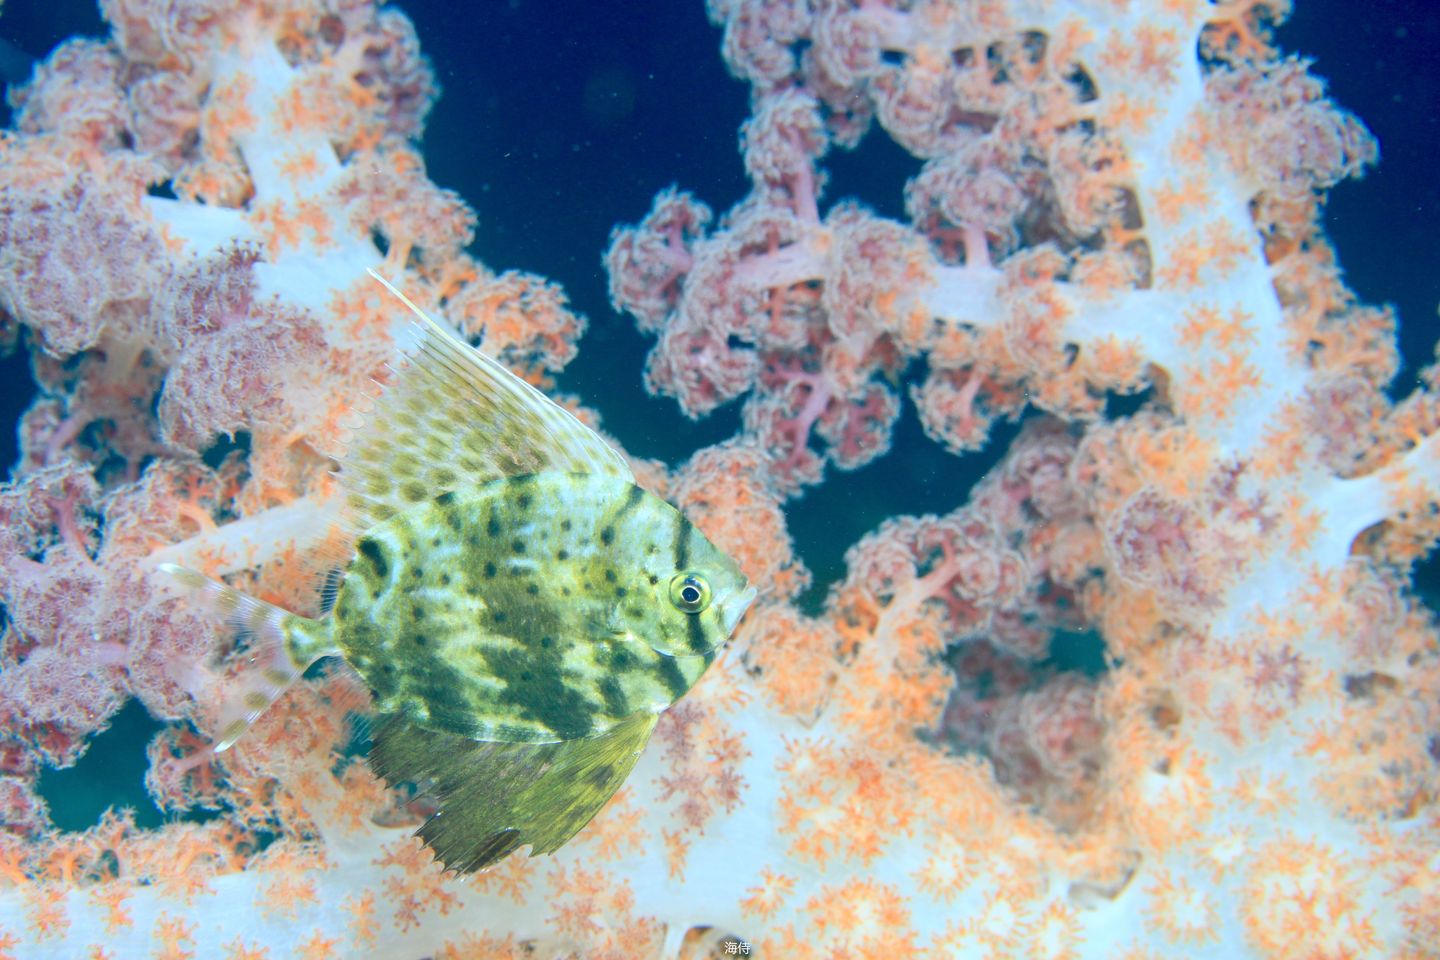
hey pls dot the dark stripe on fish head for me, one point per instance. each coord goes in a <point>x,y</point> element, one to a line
<point>669,672</point>
<point>695,633</point>
<point>681,548</point>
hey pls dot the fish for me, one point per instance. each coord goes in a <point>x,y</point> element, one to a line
<point>521,610</point>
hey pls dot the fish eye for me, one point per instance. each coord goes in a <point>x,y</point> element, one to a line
<point>689,592</point>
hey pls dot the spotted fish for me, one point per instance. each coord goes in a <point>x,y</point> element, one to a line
<point>521,610</point>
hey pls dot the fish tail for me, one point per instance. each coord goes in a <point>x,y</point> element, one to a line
<point>278,646</point>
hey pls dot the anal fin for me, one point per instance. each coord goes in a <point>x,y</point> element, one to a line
<point>495,797</point>
<point>278,647</point>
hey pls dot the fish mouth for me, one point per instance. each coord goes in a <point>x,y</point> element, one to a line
<point>734,608</point>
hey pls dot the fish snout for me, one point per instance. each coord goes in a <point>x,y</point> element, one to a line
<point>734,608</point>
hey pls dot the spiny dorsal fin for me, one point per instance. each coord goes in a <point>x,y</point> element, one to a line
<point>452,416</point>
<point>495,797</point>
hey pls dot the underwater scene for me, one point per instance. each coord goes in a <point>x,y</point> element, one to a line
<point>803,479</point>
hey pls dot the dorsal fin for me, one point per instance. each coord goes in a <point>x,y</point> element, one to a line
<point>452,416</point>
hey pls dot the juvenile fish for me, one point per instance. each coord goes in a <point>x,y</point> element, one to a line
<point>521,610</point>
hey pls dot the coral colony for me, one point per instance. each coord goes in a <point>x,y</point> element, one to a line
<point>1117,197</point>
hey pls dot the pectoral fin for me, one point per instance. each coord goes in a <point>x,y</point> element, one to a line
<point>495,797</point>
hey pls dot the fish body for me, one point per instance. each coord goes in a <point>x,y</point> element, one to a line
<point>529,609</point>
<point>521,610</point>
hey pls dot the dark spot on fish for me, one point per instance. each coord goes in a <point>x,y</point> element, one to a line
<point>436,541</point>
<point>446,498</point>
<point>607,536</point>
<point>525,677</point>
<point>518,546</point>
<point>375,594</point>
<point>370,550</point>
<point>654,579</point>
<point>417,572</point>
<point>614,696</point>
<point>414,491</point>
<point>562,555</point>
<point>492,526</point>
<point>545,642</point>
<point>564,524</point>
<point>621,658</point>
<point>417,611</point>
<point>421,639</point>
<point>564,591</point>
<point>652,548</point>
<point>501,616</point>
<point>600,776</point>
<point>444,579</point>
<point>620,591</point>
<point>610,576</point>
<point>490,570</point>
<point>533,589</point>
<point>387,668</point>
<point>523,501</point>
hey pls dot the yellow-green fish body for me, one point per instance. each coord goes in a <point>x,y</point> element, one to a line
<point>530,609</point>
<point>520,608</point>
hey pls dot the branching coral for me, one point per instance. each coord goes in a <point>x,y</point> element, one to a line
<point>1113,199</point>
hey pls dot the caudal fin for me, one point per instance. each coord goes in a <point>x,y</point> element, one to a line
<point>276,647</point>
